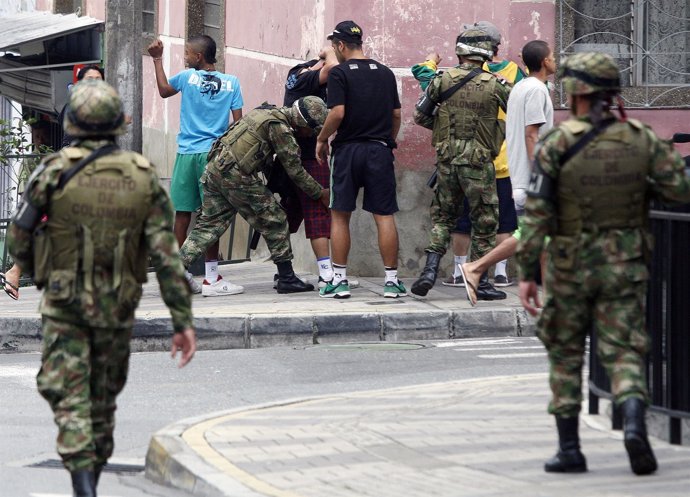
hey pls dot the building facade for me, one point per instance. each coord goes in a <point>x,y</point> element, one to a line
<point>259,40</point>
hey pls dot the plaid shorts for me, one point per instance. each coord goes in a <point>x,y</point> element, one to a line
<point>317,219</point>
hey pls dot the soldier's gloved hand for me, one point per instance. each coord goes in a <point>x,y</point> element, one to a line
<point>185,342</point>
<point>155,49</point>
<point>519,198</point>
<point>326,197</point>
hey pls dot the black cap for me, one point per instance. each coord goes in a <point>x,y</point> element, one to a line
<point>347,31</point>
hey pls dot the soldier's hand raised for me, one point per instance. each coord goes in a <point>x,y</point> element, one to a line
<point>155,49</point>
<point>185,342</point>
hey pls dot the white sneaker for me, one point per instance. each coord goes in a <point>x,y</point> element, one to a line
<point>219,288</point>
<point>193,285</point>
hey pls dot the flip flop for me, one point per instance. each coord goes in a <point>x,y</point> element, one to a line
<point>8,291</point>
<point>469,287</point>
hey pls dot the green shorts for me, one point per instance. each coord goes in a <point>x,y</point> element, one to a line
<point>518,233</point>
<point>185,189</point>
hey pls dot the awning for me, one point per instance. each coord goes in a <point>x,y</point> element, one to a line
<point>19,30</point>
<point>40,50</point>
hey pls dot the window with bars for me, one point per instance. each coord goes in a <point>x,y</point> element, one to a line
<point>650,40</point>
<point>208,17</point>
<point>213,15</point>
<point>148,17</point>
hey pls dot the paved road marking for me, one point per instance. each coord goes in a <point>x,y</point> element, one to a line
<point>500,348</point>
<point>469,342</point>
<point>60,495</point>
<point>24,374</point>
<point>510,356</point>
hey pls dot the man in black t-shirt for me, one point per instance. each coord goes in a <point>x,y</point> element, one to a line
<point>365,111</point>
<point>309,78</point>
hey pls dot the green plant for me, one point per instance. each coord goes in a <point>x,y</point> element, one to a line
<point>16,148</point>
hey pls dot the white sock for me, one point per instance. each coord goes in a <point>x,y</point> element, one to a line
<point>458,259</point>
<point>501,269</point>
<point>211,271</point>
<point>325,268</point>
<point>339,273</point>
<point>392,274</point>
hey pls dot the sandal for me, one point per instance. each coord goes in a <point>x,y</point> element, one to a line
<point>12,291</point>
<point>469,288</point>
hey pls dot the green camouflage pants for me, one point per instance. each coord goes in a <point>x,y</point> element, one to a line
<point>611,298</point>
<point>82,372</point>
<point>226,193</point>
<point>454,183</point>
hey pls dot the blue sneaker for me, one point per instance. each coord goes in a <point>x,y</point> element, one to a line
<point>393,290</point>
<point>341,290</point>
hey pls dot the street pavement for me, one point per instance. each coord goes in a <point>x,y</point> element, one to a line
<point>483,437</point>
<point>480,437</point>
<point>260,317</point>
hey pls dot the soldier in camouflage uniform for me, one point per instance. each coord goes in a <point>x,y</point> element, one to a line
<point>87,243</point>
<point>467,137</point>
<point>593,201</point>
<point>231,183</point>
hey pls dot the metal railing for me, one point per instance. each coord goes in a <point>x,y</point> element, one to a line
<point>668,324</point>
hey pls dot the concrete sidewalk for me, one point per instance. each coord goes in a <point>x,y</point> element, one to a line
<point>485,437</point>
<point>261,317</point>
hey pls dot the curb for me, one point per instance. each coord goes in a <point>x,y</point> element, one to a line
<point>250,331</point>
<point>172,462</point>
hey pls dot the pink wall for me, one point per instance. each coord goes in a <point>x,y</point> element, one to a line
<point>664,122</point>
<point>94,8</point>
<point>398,33</point>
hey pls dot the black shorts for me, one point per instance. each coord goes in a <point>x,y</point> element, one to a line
<point>507,218</point>
<point>367,165</point>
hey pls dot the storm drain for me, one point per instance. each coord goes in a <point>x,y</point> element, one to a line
<point>123,469</point>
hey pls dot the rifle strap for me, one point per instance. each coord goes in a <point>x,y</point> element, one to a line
<point>72,171</point>
<point>450,91</point>
<point>585,140</point>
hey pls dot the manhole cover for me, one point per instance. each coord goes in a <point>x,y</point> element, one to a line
<point>370,346</point>
<point>128,469</point>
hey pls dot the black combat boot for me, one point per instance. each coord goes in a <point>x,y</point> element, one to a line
<point>428,277</point>
<point>288,282</point>
<point>642,460</point>
<point>486,291</point>
<point>569,459</point>
<point>83,483</point>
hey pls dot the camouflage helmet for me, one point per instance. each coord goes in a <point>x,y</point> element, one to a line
<point>585,73</point>
<point>309,112</point>
<point>474,44</point>
<point>490,29</point>
<point>94,109</point>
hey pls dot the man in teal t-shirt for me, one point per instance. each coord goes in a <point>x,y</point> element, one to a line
<point>208,99</point>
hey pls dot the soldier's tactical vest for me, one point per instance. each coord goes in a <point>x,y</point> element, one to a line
<point>466,130</point>
<point>604,185</point>
<point>94,227</point>
<point>246,141</point>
